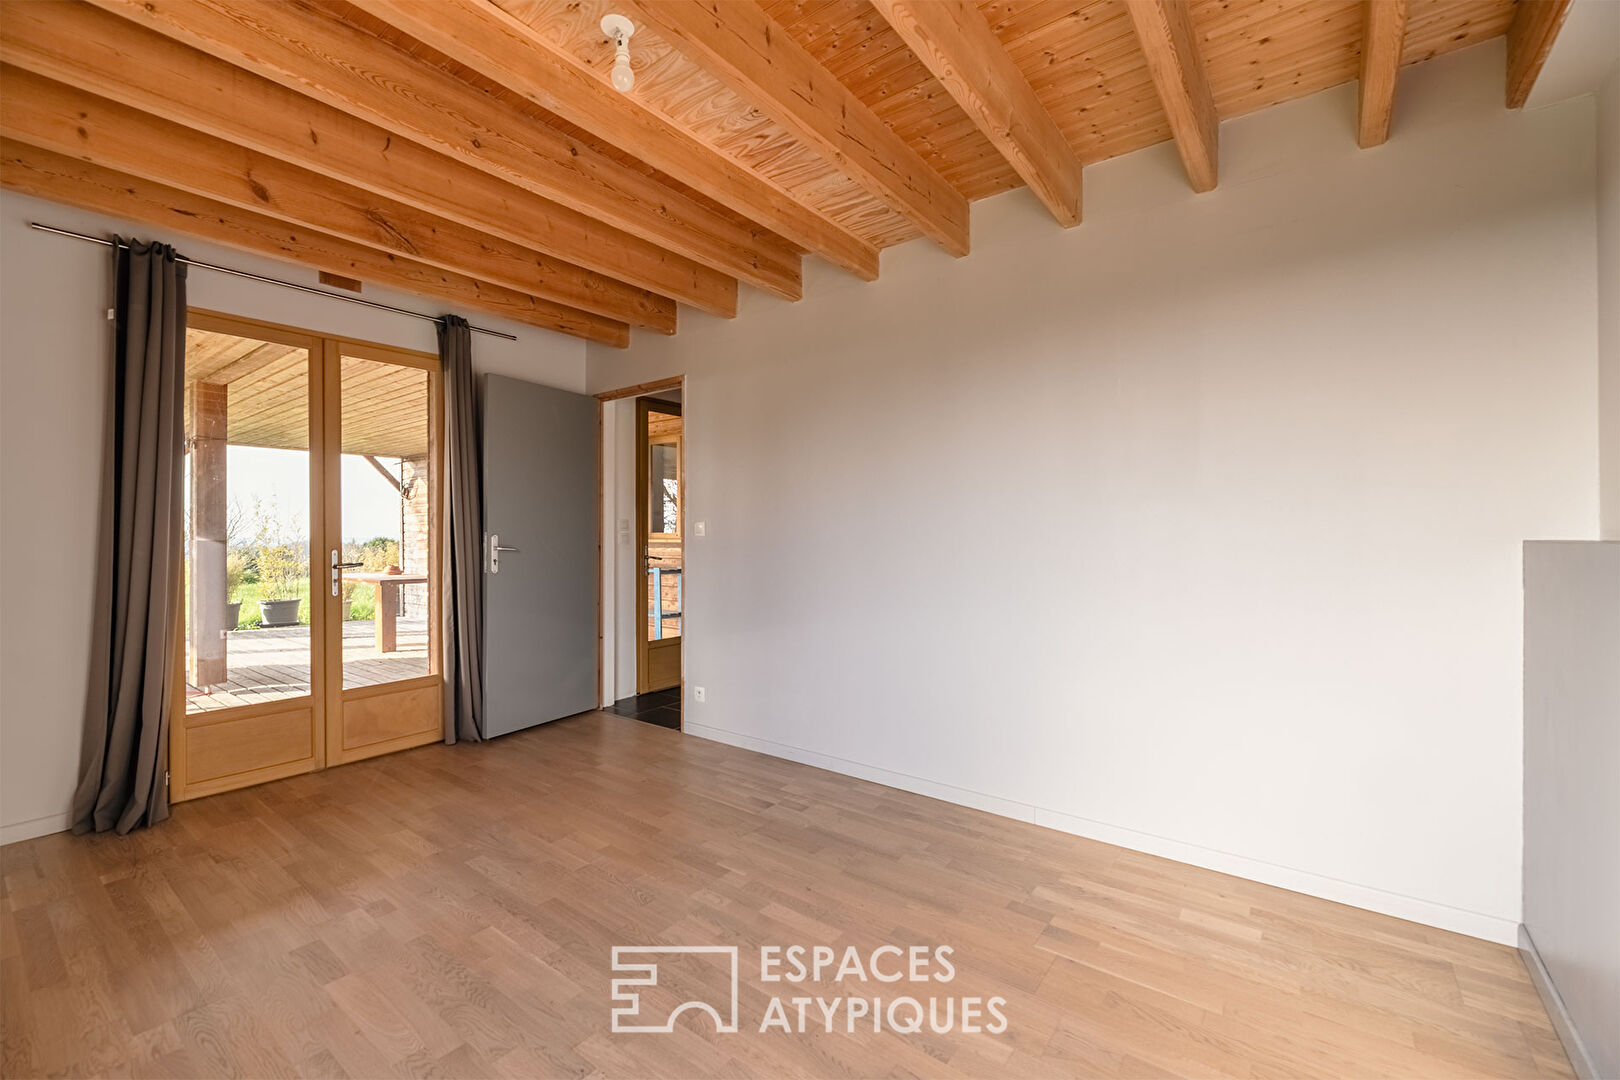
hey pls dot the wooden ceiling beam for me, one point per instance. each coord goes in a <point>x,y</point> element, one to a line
<point>1530,38</point>
<point>957,46</point>
<point>53,116</point>
<point>367,86</point>
<point>93,50</point>
<point>509,52</point>
<point>62,179</point>
<point>1383,36</point>
<point>739,44</point>
<point>1165,32</point>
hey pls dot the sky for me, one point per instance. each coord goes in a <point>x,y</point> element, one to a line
<point>280,481</point>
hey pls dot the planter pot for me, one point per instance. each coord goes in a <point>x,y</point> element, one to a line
<point>278,612</point>
<point>348,610</point>
<point>233,615</point>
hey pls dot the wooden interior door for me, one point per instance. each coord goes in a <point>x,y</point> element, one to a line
<point>299,449</point>
<point>660,525</point>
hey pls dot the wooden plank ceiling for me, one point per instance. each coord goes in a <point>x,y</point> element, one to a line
<point>474,151</point>
<point>385,406</point>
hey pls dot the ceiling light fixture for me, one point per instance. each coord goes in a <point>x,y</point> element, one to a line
<point>619,29</point>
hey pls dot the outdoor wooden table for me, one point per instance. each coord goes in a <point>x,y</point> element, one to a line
<point>386,607</point>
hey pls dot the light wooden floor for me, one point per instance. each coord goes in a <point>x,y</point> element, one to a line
<point>449,911</point>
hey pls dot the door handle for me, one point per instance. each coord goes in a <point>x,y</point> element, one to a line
<point>337,571</point>
<point>495,549</point>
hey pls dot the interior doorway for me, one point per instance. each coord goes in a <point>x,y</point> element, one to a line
<point>660,521</point>
<point>311,585</point>
<point>643,535</point>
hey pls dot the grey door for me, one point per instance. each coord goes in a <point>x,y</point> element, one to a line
<point>540,597</point>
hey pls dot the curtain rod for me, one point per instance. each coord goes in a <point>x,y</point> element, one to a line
<point>276,281</point>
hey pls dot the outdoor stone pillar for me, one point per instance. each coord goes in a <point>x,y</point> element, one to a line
<point>206,404</point>
<point>413,531</point>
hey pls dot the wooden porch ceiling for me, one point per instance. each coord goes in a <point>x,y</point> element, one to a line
<point>474,150</point>
<point>267,396</point>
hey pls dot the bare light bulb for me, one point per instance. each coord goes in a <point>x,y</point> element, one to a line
<point>623,77</point>
<point>619,29</point>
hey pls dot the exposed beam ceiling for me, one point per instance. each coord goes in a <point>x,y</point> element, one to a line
<point>1535,27</point>
<point>740,45</point>
<point>1169,43</point>
<point>506,50</point>
<point>190,86</point>
<point>47,175</point>
<point>57,117</point>
<point>957,46</point>
<point>1381,45</point>
<point>474,151</point>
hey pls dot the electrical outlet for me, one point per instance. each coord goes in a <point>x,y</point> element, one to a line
<point>699,694</point>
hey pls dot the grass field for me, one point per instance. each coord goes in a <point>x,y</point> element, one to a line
<point>363,605</point>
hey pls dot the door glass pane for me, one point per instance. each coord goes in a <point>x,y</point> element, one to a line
<point>664,513</point>
<point>387,514</point>
<point>247,517</point>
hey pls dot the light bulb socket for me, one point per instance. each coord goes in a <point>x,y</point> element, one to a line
<point>619,29</point>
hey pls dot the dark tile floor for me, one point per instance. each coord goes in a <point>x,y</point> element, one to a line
<point>661,707</point>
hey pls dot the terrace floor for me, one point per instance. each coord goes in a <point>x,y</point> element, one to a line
<point>271,664</point>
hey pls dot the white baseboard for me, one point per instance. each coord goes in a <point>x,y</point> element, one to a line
<point>42,826</point>
<point>1562,1023</point>
<point>1428,912</point>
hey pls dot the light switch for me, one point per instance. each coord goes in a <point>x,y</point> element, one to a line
<point>700,529</point>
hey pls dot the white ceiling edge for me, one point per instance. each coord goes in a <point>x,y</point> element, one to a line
<point>1586,50</point>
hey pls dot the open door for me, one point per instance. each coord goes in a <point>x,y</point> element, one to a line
<point>540,557</point>
<point>661,520</point>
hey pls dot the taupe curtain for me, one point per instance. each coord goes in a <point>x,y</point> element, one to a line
<point>123,771</point>
<point>464,639</point>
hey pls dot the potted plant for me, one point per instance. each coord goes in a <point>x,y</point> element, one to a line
<point>235,573</point>
<point>347,589</point>
<point>280,583</point>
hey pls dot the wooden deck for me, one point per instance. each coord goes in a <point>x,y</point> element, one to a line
<point>268,665</point>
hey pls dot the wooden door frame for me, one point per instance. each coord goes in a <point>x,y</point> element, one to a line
<point>605,486</point>
<point>645,406</point>
<point>325,492</point>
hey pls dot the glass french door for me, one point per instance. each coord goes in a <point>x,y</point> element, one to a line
<point>310,586</point>
<point>381,579</point>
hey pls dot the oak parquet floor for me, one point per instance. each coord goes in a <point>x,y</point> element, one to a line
<point>450,911</point>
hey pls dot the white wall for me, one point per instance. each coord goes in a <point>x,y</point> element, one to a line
<point>1195,528</point>
<point>54,347</point>
<point>620,617</point>
<point>1571,792</point>
<point>1608,172</point>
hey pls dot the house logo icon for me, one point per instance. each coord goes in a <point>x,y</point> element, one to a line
<point>716,986</point>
